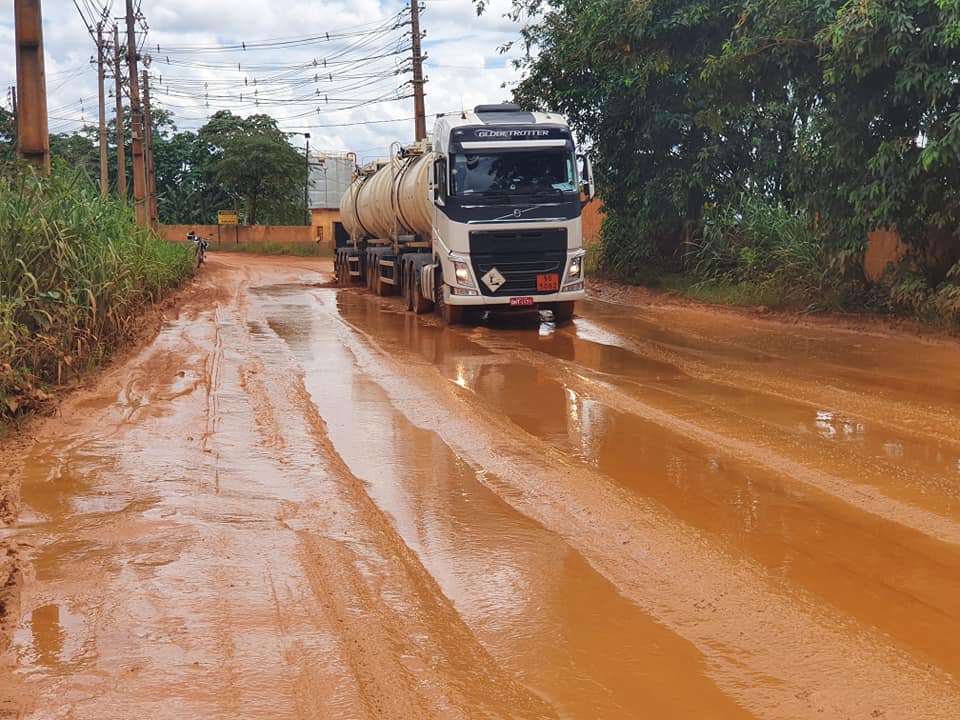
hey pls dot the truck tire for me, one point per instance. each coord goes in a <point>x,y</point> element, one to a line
<point>384,289</point>
<point>371,272</point>
<point>408,288</point>
<point>421,306</point>
<point>450,314</point>
<point>563,311</point>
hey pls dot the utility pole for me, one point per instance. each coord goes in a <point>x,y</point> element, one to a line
<point>136,122</point>
<point>16,115</point>
<point>306,185</point>
<point>152,214</point>
<point>420,121</point>
<point>104,175</point>
<point>121,140</point>
<point>33,134</point>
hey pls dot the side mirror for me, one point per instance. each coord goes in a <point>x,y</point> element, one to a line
<point>586,176</point>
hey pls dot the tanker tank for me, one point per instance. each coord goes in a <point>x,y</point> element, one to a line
<point>391,198</point>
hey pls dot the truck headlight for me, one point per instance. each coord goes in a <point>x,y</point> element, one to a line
<point>462,272</point>
<point>576,266</point>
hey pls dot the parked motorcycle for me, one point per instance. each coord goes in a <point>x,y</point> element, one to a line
<point>200,246</point>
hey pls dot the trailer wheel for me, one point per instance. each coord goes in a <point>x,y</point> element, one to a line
<point>408,289</point>
<point>384,289</point>
<point>562,311</point>
<point>371,272</point>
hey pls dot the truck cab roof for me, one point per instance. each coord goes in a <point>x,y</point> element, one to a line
<point>506,120</point>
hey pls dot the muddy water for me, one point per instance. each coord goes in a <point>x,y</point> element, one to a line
<point>302,502</point>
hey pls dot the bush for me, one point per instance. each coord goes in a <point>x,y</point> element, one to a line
<point>911,294</point>
<point>75,271</point>
<point>631,250</point>
<point>759,243</point>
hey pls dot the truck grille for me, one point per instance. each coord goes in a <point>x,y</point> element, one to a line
<point>519,255</point>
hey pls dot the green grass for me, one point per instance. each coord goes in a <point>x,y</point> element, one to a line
<point>275,248</point>
<point>745,294</point>
<point>75,274</point>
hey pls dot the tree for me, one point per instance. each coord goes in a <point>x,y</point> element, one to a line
<point>846,111</point>
<point>77,151</point>
<point>878,87</point>
<point>253,158</point>
<point>8,137</point>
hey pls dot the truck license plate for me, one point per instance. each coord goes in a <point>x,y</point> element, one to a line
<point>548,283</point>
<point>522,301</point>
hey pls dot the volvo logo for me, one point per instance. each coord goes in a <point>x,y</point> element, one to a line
<point>517,213</point>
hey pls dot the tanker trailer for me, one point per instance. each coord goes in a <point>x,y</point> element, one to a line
<point>485,217</point>
<point>388,214</point>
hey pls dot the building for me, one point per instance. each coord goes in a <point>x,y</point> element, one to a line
<point>330,176</point>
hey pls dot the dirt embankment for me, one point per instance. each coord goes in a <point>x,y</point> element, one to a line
<point>639,296</point>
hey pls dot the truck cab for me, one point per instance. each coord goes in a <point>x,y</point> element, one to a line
<point>506,201</point>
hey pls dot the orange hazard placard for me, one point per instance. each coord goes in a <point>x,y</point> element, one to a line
<point>548,283</point>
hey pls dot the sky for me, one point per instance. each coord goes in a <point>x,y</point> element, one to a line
<point>196,45</point>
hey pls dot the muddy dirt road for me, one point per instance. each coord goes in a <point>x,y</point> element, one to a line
<point>301,502</point>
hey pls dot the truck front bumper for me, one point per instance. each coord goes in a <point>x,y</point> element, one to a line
<point>564,295</point>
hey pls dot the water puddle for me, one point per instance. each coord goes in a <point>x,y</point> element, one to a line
<point>892,581</point>
<point>50,636</point>
<point>533,601</point>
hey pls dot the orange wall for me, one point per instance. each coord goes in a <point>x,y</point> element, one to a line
<point>591,220</point>
<point>242,233</point>
<point>884,247</point>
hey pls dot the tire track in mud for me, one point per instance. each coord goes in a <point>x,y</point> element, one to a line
<point>411,656</point>
<point>782,655</point>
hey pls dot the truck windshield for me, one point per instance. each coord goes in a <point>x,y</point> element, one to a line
<point>515,172</point>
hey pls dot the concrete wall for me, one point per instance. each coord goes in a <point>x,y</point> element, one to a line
<point>322,223</point>
<point>243,233</point>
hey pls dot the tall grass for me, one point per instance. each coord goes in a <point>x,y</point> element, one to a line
<point>75,272</point>
<point>775,253</point>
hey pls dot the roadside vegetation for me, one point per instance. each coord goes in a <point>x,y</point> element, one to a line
<point>228,162</point>
<point>75,275</point>
<point>276,248</point>
<point>744,150</point>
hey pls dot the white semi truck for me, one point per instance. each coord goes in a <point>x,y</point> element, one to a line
<point>485,216</point>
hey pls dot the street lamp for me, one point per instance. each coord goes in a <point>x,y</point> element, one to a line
<point>306,182</point>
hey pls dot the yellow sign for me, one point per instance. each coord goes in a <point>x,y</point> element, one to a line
<point>227,217</point>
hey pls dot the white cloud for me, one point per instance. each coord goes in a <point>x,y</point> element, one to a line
<point>463,66</point>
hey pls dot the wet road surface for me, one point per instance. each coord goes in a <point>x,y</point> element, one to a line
<point>302,502</point>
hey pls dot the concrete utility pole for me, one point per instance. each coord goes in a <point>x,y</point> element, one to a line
<point>136,122</point>
<point>33,134</point>
<point>306,185</point>
<point>150,167</point>
<point>420,121</point>
<point>104,175</point>
<point>121,139</point>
